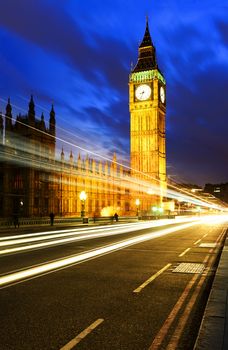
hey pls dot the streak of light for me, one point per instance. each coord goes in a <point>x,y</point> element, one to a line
<point>105,227</point>
<point>188,195</point>
<point>79,236</point>
<point>88,255</point>
<point>59,264</point>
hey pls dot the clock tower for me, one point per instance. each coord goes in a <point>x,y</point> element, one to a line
<point>147,103</point>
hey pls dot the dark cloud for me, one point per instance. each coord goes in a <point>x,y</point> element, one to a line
<point>81,60</point>
<point>223,30</point>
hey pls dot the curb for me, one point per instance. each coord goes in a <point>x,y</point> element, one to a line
<point>213,333</point>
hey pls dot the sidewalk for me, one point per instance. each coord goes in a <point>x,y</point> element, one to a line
<point>213,334</point>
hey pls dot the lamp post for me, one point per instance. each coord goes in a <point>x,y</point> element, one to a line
<point>137,202</point>
<point>83,197</point>
<point>154,210</point>
<point>157,211</point>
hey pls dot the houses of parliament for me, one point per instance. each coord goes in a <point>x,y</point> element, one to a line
<point>35,181</point>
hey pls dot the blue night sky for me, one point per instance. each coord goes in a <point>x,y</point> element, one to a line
<point>77,54</point>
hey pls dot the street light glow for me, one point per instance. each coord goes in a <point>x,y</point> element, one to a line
<point>137,202</point>
<point>83,196</point>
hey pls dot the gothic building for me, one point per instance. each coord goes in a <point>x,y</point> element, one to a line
<point>26,146</point>
<point>35,181</point>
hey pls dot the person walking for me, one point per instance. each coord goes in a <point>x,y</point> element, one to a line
<point>52,216</point>
<point>116,217</point>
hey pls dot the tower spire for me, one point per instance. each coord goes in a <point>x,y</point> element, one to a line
<point>8,115</point>
<point>147,41</point>
<point>31,111</point>
<point>52,121</point>
<point>147,55</point>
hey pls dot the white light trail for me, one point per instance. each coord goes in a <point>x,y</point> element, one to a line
<point>172,190</point>
<point>81,234</point>
<point>49,267</point>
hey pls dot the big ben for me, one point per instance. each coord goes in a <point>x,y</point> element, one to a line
<point>147,104</point>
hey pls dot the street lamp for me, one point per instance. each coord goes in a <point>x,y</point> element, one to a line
<point>137,202</point>
<point>154,209</point>
<point>157,210</point>
<point>83,197</point>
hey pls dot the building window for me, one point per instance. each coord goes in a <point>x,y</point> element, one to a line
<point>18,183</point>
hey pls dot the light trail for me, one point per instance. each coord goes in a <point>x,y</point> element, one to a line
<point>82,234</point>
<point>103,227</point>
<point>52,266</point>
<point>69,261</point>
<point>174,193</point>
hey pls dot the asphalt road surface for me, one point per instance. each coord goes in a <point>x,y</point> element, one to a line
<point>123,286</point>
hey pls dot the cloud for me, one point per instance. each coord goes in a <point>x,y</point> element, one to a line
<point>80,58</point>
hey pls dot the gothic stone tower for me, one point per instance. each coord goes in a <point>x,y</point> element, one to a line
<point>147,103</point>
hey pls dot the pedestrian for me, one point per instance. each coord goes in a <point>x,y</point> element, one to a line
<point>52,216</point>
<point>116,217</point>
<point>16,220</point>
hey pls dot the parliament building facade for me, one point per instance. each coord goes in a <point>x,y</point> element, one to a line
<point>35,181</point>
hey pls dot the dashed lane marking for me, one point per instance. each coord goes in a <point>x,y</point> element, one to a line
<point>185,251</point>
<point>199,240</point>
<point>82,335</point>
<point>152,278</point>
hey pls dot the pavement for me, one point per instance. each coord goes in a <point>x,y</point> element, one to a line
<point>213,334</point>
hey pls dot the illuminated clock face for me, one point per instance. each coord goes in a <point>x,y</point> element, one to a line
<point>143,92</point>
<point>162,94</point>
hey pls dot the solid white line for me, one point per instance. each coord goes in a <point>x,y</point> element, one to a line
<point>185,251</point>
<point>205,235</point>
<point>82,335</point>
<point>137,290</point>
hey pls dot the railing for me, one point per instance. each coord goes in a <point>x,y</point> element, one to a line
<point>4,223</point>
<point>58,220</point>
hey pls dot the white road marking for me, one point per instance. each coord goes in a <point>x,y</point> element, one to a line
<point>205,235</point>
<point>184,252</point>
<point>152,278</point>
<point>199,240</point>
<point>82,335</point>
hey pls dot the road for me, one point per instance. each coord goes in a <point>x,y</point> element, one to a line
<point>124,286</point>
